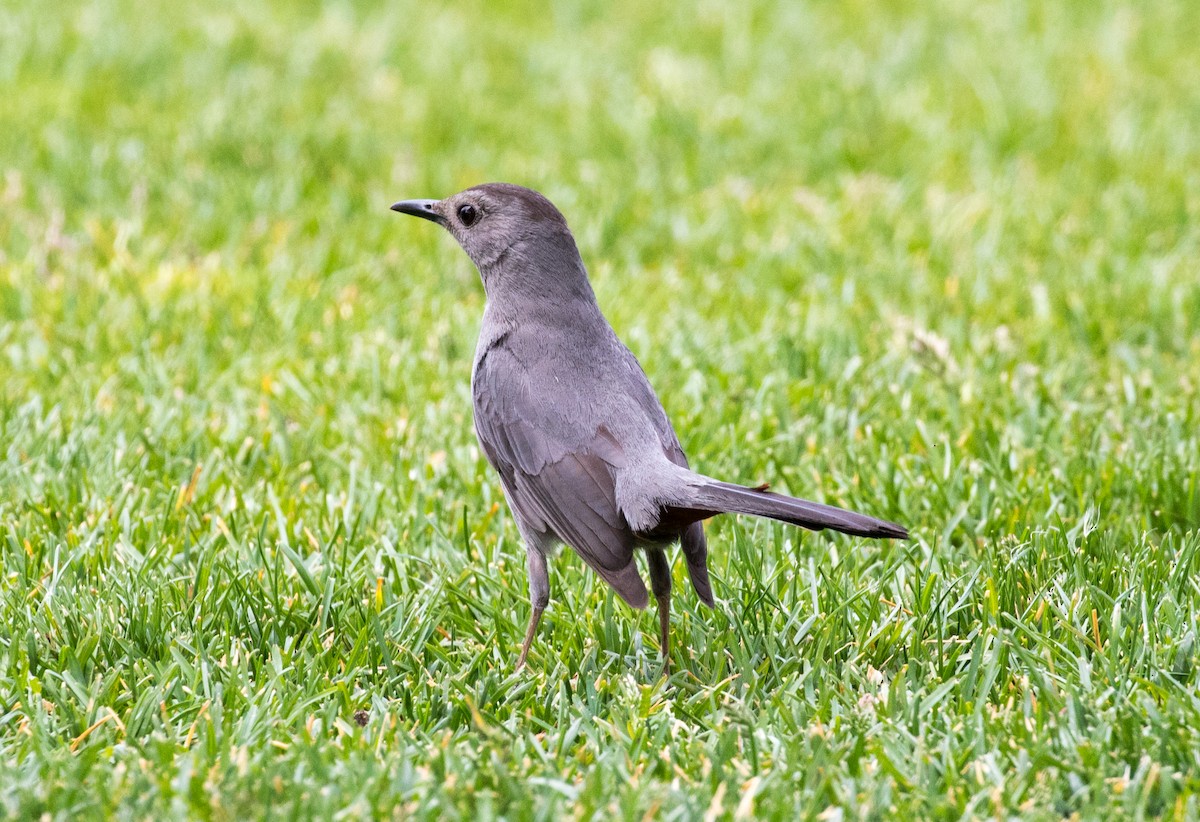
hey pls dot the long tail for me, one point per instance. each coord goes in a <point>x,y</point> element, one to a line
<point>707,497</point>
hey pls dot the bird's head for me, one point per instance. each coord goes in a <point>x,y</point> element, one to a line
<point>491,220</point>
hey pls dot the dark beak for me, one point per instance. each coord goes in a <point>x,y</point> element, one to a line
<point>420,208</point>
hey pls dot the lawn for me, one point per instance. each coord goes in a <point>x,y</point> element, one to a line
<point>938,262</point>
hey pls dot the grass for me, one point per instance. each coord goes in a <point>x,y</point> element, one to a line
<point>933,261</point>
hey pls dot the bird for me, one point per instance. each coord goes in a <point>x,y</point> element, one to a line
<point>566,416</point>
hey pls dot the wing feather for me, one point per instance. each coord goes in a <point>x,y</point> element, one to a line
<point>558,476</point>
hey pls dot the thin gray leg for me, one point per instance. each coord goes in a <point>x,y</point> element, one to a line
<point>539,596</point>
<point>660,583</point>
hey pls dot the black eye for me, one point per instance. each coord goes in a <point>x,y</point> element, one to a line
<point>468,214</point>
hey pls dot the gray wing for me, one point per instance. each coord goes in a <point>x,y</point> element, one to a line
<point>558,468</point>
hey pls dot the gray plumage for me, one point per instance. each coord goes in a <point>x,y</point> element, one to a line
<point>567,417</point>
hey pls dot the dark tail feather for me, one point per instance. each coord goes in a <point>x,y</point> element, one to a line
<point>716,497</point>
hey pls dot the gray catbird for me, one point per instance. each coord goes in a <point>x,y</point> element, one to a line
<point>566,415</point>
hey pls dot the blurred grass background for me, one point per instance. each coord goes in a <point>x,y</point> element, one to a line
<point>934,261</point>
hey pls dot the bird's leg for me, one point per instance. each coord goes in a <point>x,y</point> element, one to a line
<point>660,583</point>
<point>534,619</point>
<point>539,596</point>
